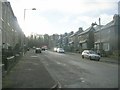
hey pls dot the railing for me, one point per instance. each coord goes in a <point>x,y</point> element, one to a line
<point>9,62</point>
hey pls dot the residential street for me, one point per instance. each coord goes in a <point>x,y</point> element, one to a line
<point>46,43</point>
<point>72,71</point>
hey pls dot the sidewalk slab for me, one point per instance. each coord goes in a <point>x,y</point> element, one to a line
<point>29,72</point>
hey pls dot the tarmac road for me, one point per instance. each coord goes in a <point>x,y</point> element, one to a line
<point>74,72</point>
<point>46,69</point>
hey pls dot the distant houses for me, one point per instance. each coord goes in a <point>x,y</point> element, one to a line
<point>73,41</point>
<point>101,38</point>
<point>104,39</point>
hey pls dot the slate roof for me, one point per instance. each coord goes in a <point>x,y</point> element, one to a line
<point>98,27</point>
<point>86,31</point>
<point>108,25</point>
<point>102,27</point>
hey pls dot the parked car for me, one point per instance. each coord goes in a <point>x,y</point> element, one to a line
<point>90,54</point>
<point>60,50</point>
<point>43,48</point>
<point>38,50</point>
<point>28,49</point>
<point>34,47</point>
<point>55,49</point>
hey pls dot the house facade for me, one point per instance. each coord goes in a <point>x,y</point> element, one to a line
<point>65,42</point>
<point>74,41</point>
<point>0,25</point>
<point>53,41</point>
<point>0,38</point>
<point>71,41</point>
<point>12,35</point>
<point>106,37</point>
<point>86,39</point>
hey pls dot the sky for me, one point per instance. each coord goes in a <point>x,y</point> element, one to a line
<point>60,16</point>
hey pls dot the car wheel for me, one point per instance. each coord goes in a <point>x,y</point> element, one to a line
<point>98,60</point>
<point>90,58</point>
<point>82,56</point>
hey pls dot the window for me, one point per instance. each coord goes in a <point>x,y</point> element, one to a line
<point>106,46</point>
<point>84,45</point>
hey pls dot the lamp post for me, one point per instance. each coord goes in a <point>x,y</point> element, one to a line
<point>27,9</point>
<point>24,38</point>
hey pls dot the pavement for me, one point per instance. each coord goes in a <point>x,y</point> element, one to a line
<point>29,72</point>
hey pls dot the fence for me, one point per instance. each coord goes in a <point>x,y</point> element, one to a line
<point>9,62</point>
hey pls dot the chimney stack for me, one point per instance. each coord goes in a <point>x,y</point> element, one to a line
<point>80,29</point>
<point>99,21</point>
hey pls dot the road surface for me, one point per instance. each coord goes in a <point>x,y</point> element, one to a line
<point>74,72</point>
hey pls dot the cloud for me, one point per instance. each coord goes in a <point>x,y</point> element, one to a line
<point>67,6</point>
<point>86,21</point>
<point>105,18</point>
<point>75,6</point>
<point>65,19</point>
<point>58,16</point>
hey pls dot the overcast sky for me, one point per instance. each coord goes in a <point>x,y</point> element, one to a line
<point>60,16</point>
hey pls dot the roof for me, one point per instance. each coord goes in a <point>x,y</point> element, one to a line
<point>76,33</point>
<point>83,41</point>
<point>109,24</point>
<point>71,42</point>
<point>87,30</point>
<point>102,27</point>
<point>73,35</point>
<point>9,5</point>
<point>65,36</point>
<point>98,27</point>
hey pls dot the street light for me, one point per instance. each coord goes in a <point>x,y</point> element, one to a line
<point>27,9</point>
<point>24,35</point>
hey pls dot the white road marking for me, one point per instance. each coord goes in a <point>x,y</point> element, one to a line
<point>82,79</point>
<point>61,63</point>
<point>58,63</point>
